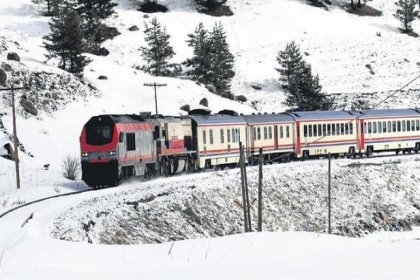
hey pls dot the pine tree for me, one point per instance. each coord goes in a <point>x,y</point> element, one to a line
<point>305,92</point>
<point>405,14</point>
<point>158,52</point>
<point>66,41</point>
<point>51,6</point>
<point>221,61</point>
<point>290,60</point>
<point>200,62</point>
<point>92,13</point>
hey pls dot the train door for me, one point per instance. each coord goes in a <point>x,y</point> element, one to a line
<point>362,135</point>
<point>276,137</point>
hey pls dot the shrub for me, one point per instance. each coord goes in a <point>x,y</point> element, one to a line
<point>71,167</point>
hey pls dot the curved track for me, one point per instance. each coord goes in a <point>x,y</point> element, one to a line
<point>110,187</point>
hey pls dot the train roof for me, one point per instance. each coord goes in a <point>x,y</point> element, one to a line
<point>322,115</point>
<point>116,119</point>
<point>268,118</point>
<point>217,119</point>
<point>389,113</point>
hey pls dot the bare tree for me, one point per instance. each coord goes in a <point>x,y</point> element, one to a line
<point>71,167</point>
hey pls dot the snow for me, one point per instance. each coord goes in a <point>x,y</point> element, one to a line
<point>338,46</point>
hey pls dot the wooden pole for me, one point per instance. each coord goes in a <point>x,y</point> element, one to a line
<point>15,140</point>
<point>243,187</point>
<point>260,176</point>
<point>329,193</point>
<point>155,85</point>
<point>246,192</point>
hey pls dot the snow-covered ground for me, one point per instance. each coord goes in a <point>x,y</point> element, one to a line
<point>370,195</point>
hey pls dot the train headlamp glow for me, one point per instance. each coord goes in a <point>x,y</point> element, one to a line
<point>85,154</point>
<point>112,153</point>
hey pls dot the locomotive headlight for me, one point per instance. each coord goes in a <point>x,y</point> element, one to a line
<point>112,153</point>
<point>85,154</point>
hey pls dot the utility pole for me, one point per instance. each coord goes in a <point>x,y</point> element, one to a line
<point>329,193</point>
<point>260,177</point>
<point>246,191</point>
<point>15,138</point>
<point>244,204</point>
<point>155,85</point>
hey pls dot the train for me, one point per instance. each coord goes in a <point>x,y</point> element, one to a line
<point>117,147</point>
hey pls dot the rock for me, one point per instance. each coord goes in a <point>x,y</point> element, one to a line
<point>102,52</point>
<point>7,67</point>
<point>204,102</point>
<point>13,56</point>
<point>102,77</point>
<point>241,98</point>
<point>3,77</point>
<point>28,106</point>
<point>211,88</point>
<point>256,87</point>
<point>185,108</point>
<point>133,28</point>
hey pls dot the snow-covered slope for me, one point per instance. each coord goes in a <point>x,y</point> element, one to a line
<point>337,44</point>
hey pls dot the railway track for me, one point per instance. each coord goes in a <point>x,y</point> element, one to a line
<point>110,187</point>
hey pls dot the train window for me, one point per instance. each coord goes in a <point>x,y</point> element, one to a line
<point>408,126</point>
<point>379,127</point>
<point>233,135</point>
<point>131,141</point>
<point>259,133</point>
<point>364,128</point>
<point>270,133</point>
<point>315,130</point>
<point>417,125</point>
<point>394,126</point>
<point>342,128</point>
<point>204,137</point>
<point>265,133</point>
<point>374,127</point>
<point>329,128</point>
<point>369,127</point>
<point>389,127</point>
<point>305,131</point>
<point>399,126</point>
<point>121,137</point>
<point>287,131</point>
<point>281,132</point>
<point>347,129</point>
<point>238,134</point>
<point>319,130</point>
<point>334,131</point>
<point>222,136</point>
<point>211,136</point>
<point>310,130</point>
<point>337,128</point>
<point>324,130</point>
<point>403,126</point>
<point>255,133</point>
<point>351,128</point>
<point>413,126</point>
<point>384,127</point>
<point>228,135</point>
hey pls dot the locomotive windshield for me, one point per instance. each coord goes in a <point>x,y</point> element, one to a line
<point>99,135</point>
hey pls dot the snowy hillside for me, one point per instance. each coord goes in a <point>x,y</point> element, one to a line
<point>191,214</point>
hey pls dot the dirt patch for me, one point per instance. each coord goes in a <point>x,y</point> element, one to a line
<point>217,12</point>
<point>364,10</point>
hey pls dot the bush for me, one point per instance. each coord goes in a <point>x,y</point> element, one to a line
<point>71,167</point>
